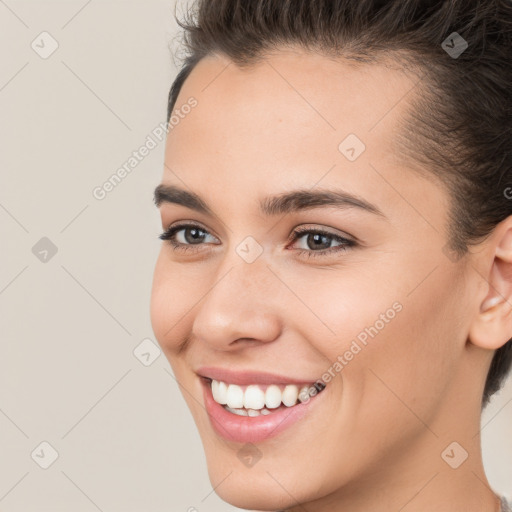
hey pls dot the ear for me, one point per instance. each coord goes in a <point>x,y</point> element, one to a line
<point>492,326</point>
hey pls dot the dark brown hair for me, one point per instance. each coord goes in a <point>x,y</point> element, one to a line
<point>458,129</point>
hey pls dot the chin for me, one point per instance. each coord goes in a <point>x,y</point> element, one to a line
<point>242,491</point>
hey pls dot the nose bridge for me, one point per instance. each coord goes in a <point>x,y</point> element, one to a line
<point>238,304</point>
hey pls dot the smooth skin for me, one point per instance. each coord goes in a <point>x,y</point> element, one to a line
<point>375,443</point>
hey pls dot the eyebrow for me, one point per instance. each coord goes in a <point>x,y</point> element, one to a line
<point>287,202</point>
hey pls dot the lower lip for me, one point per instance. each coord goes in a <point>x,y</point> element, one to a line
<point>252,429</point>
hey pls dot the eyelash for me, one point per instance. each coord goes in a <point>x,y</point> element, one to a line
<point>168,236</point>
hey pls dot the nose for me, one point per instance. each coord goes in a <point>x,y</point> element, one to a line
<point>240,308</point>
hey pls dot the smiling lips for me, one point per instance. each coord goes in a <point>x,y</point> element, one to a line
<point>252,406</point>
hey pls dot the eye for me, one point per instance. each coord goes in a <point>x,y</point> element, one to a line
<point>194,235</point>
<point>318,239</point>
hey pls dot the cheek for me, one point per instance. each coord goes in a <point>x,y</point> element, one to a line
<point>158,301</point>
<point>168,305</point>
<point>408,365</point>
<point>389,347</point>
<point>349,311</point>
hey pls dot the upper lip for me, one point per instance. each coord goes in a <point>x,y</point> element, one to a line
<point>246,377</point>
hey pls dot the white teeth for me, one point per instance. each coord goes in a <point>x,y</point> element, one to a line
<point>219,392</point>
<point>254,399</point>
<point>215,390</point>
<point>240,412</point>
<point>273,396</point>
<point>248,412</point>
<point>235,396</point>
<point>290,394</point>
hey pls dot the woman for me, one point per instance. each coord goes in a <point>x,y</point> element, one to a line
<point>334,291</point>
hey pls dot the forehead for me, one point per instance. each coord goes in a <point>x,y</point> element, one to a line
<point>293,95</point>
<point>283,123</point>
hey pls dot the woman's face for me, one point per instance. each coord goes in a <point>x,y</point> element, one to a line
<point>381,311</point>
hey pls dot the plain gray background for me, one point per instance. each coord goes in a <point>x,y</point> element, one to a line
<point>73,372</point>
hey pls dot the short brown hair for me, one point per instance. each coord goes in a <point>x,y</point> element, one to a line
<point>459,128</point>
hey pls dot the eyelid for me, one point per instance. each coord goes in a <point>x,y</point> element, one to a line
<point>188,224</point>
<point>346,242</point>
<point>306,228</point>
